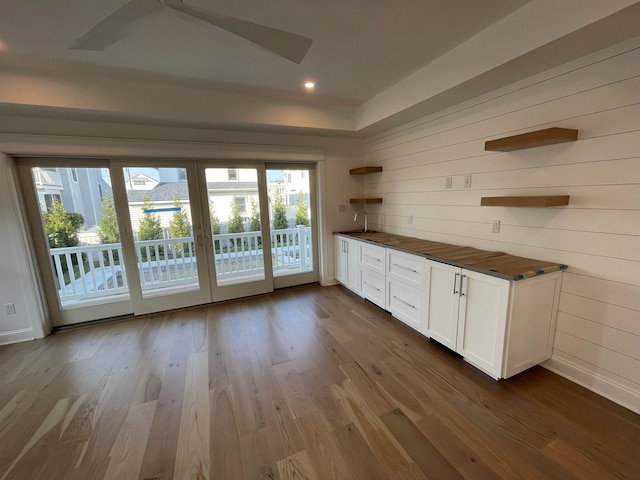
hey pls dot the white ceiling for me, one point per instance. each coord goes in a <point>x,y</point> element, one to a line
<point>377,63</point>
<point>360,47</point>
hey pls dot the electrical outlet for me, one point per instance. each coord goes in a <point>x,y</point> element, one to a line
<point>448,182</point>
<point>495,226</point>
<point>9,309</point>
<point>467,181</point>
<point>410,219</point>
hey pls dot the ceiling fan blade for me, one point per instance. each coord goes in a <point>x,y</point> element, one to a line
<point>285,44</point>
<point>117,25</point>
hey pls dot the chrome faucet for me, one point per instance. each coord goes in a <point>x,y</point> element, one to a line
<point>366,220</point>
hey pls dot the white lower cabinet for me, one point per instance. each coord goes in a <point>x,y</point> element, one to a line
<point>500,326</point>
<point>347,264</point>
<point>373,285</point>
<point>407,282</point>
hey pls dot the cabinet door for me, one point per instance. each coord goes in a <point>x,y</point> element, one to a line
<point>482,321</point>
<point>443,303</point>
<point>347,262</point>
<point>341,259</point>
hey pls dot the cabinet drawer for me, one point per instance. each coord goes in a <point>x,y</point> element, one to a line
<point>373,286</point>
<point>373,257</point>
<point>409,268</point>
<point>407,304</point>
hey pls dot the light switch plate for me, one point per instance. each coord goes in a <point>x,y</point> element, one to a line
<point>495,226</point>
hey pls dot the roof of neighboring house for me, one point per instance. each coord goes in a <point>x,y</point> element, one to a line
<point>164,192</point>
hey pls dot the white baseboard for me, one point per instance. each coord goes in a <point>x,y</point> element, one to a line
<point>609,389</point>
<point>16,336</point>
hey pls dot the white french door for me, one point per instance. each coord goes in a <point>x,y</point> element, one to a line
<point>158,203</point>
<point>144,236</point>
<point>236,229</point>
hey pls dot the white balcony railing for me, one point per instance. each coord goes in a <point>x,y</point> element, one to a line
<point>47,178</point>
<point>94,271</point>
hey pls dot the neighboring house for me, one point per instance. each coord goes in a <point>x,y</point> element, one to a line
<point>80,190</point>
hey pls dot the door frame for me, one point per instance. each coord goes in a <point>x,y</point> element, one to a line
<point>314,275</point>
<point>242,289</point>
<point>163,300</point>
<point>116,306</point>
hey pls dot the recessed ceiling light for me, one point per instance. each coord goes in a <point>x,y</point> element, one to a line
<point>309,85</point>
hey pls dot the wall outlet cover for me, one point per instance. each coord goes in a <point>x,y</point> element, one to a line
<point>495,226</point>
<point>448,182</point>
<point>467,181</point>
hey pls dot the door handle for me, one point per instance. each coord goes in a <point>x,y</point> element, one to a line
<point>200,242</point>
<point>208,240</point>
<point>455,283</point>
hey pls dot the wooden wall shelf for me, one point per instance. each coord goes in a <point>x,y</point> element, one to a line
<point>548,136</point>
<point>365,170</point>
<point>531,202</point>
<point>365,200</point>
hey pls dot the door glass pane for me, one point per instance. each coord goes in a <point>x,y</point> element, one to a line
<point>290,220</point>
<point>234,211</point>
<point>76,206</point>
<point>160,212</point>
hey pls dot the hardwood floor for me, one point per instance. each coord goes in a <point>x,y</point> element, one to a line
<point>312,383</point>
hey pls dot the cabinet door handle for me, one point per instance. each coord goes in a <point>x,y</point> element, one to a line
<point>371,257</point>
<point>461,280</point>
<point>406,303</point>
<point>455,283</point>
<point>405,268</point>
<point>372,286</point>
<point>200,241</point>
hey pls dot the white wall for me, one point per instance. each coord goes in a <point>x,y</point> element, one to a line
<point>17,284</point>
<point>597,341</point>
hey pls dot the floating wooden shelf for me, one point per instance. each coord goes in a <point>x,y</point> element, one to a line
<point>365,170</point>
<point>548,136</point>
<point>537,201</point>
<point>365,200</point>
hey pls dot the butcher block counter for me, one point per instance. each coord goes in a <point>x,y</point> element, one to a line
<point>497,264</point>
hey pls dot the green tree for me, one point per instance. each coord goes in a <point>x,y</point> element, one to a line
<point>149,227</point>
<point>179,225</point>
<point>108,229</point>
<point>302,214</point>
<point>215,221</point>
<point>236,223</point>
<point>254,223</point>
<point>279,213</point>
<point>62,226</point>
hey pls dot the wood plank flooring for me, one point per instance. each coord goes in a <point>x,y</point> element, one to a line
<point>311,383</point>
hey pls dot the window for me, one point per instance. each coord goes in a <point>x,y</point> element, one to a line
<point>74,175</point>
<point>242,204</point>
<point>49,198</point>
<point>232,174</point>
<point>182,174</point>
<point>139,181</point>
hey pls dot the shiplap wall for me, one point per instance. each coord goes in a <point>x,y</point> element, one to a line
<point>597,341</point>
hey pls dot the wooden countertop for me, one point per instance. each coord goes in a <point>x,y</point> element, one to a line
<point>497,264</point>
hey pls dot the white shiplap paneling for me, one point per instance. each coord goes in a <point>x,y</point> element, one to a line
<point>598,234</point>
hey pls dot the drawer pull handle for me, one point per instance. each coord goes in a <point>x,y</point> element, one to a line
<point>371,257</point>
<point>406,268</point>
<point>406,303</point>
<point>372,286</point>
